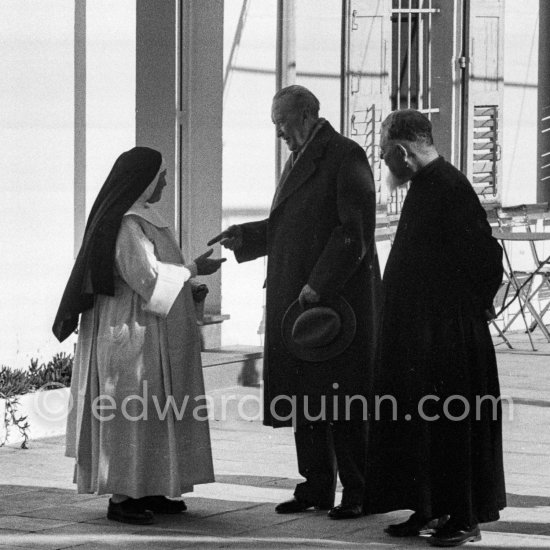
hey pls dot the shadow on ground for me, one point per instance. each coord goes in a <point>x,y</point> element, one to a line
<point>51,518</point>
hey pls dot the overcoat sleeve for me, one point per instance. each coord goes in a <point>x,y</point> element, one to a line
<point>353,237</point>
<point>472,250</point>
<point>254,241</point>
<point>158,283</point>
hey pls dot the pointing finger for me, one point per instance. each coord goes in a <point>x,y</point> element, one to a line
<point>216,239</point>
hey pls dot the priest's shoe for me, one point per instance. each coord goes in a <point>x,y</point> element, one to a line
<point>416,525</point>
<point>453,534</point>
<point>346,511</point>
<point>296,505</point>
<point>130,511</point>
<point>162,505</point>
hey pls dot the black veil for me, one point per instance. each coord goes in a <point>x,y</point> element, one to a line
<point>93,270</point>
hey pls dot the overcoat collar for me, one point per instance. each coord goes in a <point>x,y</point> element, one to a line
<point>305,166</point>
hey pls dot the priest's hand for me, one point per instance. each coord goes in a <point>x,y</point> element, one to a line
<point>490,314</point>
<point>206,265</point>
<point>231,238</point>
<point>308,296</point>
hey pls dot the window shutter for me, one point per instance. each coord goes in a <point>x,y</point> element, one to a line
<point>366,77</point>
<point>484,85</point>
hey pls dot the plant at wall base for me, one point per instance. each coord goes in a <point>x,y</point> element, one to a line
<point>56,373</point>
<point>14,383</point>
<point>12,419</point>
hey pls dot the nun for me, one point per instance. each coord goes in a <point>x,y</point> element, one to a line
<point>137,426</point>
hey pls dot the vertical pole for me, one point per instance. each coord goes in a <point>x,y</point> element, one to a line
<point>79,122</point>
<point>409,55</point>
<point>183,131</point>
<point>344,68</point>
<point>398,64</point>
<point>543,142</point>
<point>430,60</point>
<point>285,71</point>
<point>420,99</point>
<point>466,128</point>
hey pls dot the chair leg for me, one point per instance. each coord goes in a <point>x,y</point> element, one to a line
<point>501,334</point>
<point>522,305</point>
<point>546,281</point>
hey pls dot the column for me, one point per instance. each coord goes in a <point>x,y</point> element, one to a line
<point>79,123</point>
<point>179,93</point>
<point>543,145</point>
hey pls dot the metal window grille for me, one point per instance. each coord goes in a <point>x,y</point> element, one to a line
<point>412,22</point>
<point>411,83</point>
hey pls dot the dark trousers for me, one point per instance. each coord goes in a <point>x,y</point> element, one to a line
<point>325,449</point>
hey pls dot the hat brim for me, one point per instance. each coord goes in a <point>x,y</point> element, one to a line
<point>332,349</point>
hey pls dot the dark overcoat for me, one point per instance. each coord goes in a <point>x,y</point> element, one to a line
<point>443,271</point>
<point>320,231</point>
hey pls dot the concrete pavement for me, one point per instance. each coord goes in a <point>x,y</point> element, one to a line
<point>255,469</point>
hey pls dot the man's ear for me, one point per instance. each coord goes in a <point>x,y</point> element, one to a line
<point>402,150</point>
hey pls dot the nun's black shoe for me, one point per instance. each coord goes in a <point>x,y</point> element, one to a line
<point>130,511</point>
<point>162,505</point>
<point>455,535</point>
<point>296,505</point>
<point>346,511</point>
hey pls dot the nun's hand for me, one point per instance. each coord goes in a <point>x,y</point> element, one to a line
<point>206,265</point>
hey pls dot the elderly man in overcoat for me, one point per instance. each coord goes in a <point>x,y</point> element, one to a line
<point>319,240</point>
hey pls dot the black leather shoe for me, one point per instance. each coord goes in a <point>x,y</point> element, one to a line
<point>452,535</point>
<point>130,511</point>
<point>296,505</point>
<point>415,526</point>
<point>346,511</point>
<point>162,505</point>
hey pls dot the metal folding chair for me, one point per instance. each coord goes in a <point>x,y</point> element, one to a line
<point>499,302</point>
<point>542,291</point>
<point>526,282</point>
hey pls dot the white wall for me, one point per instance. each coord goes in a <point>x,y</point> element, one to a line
<point>110,88</point>
<point>37,161</point>
<point>36,139</point>
<point>519,151</point>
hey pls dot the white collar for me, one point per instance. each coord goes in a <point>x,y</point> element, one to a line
<point>149,213</point>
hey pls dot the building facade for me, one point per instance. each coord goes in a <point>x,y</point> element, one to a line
<point>194,79</point>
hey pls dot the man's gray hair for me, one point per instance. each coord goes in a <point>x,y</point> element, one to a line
<point>408,125</point>
<point>302,98</point>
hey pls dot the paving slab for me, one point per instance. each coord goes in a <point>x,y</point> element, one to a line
<point>31,525</point>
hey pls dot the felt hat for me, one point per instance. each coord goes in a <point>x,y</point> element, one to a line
<point>321,331</point>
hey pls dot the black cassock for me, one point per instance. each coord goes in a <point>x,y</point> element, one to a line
<point>436,352</point>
